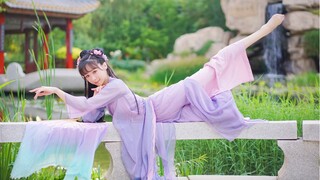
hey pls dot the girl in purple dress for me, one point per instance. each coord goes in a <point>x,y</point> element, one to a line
<point>145,124</point>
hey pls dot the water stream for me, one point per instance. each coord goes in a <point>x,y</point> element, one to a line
<point>275,47</point>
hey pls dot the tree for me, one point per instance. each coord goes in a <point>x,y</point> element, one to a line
<point>148,28</point>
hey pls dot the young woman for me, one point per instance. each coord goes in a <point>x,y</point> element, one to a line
<point>145,124</point>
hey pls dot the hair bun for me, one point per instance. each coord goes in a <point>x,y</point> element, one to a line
<point>84,52</point>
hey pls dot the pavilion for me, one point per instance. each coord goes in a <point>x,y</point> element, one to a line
<point>19,17</point>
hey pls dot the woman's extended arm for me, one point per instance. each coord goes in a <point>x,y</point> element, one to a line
<point>47,90</point>
<point>78,106</point>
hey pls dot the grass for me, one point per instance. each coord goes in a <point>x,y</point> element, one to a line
<point>254,157</point>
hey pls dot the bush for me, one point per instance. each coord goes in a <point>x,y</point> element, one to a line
<point>179,68</point>
<point>311,43</point>
<point>62,52</point>
<point>205,48</point>
<point>307,79</point>
<point>130,65</point>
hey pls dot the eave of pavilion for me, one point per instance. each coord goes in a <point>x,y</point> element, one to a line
<point>72,9</point>
<point>19,16</point>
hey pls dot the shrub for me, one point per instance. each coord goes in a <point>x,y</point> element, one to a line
<point>62,52</point>
<point>180,69</point>
<point>205,48</point>
<point>311,43</point>
<point>130,65</point>
<point>307,79</point>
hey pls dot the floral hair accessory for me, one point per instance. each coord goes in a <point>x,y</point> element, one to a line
<point>78,61</point>
<point>96,52</point>
<point>99,52</point>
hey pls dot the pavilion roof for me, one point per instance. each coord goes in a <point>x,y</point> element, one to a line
<point>54,8</point>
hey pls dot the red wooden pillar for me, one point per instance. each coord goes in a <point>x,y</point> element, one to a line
<point>46,48</point>
<point>69,40</point>
<point>2,21</point>
<point>31,43</point>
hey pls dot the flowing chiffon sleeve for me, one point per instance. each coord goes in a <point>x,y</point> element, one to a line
<point>68,144</point>
<point>94,115</point>
<point>79,106</point>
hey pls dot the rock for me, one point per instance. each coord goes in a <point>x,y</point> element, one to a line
<point>300,66</point>
<point>298,21</point>
<point>292,5</point>
<point>14,71</point>
<point>214,49</point>
<point>246,17</point>
<point>235,39</point>
<point>192,42</point>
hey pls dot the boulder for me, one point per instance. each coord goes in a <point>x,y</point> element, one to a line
<point>292,5</point>
<point>299,21</point>
<point>300,66</point>
<point>214,49</point>
<point>192,42</point>
<point>245,16</point>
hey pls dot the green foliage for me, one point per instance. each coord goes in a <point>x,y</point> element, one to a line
<point>45,76</point>
<point>306,79</point>
<point>10,113</point>
<point>130,65</point>
<point>186,167</point>
<point>59,39</point>
<point>14,48</point>
<point>311,43</point>
<point>8,152</point>
<point>239,157</point>
<point>148,29</point>
<point>49,173</point>
<point>205,48</point>
<point>2,8</point>
<point>6,84</point>
<point>181,68</point>
<point>61,53</point>
<point>315,11</point>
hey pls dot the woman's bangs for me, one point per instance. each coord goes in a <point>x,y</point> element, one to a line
<point>87,67</point>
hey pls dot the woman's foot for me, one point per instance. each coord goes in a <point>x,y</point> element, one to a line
<point>273,22</point>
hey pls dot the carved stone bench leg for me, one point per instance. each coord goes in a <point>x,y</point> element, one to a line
<point>116,169</point>
<point>301,160</point>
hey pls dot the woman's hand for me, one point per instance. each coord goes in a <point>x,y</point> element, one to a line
<point>97,89</point>
<point>43,91</point>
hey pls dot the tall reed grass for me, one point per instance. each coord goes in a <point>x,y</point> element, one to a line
<point>8,151</point>
<point>45,60</point>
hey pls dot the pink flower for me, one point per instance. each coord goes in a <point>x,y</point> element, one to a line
<point>97,52</point>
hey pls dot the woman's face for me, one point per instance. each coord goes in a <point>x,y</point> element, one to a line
<point>97,76</point>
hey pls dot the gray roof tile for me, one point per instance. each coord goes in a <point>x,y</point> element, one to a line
<point>58,6</point>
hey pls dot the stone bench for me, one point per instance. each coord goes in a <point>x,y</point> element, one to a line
<point>301,154</point>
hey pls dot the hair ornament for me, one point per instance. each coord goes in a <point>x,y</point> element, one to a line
<point>99,52</point>
<point>78,61</point>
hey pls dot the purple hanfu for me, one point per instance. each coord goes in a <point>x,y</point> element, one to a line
<point>147,129</point>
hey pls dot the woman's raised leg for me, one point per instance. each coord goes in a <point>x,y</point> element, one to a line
<point>267,28</point>
<point>230,67</point>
